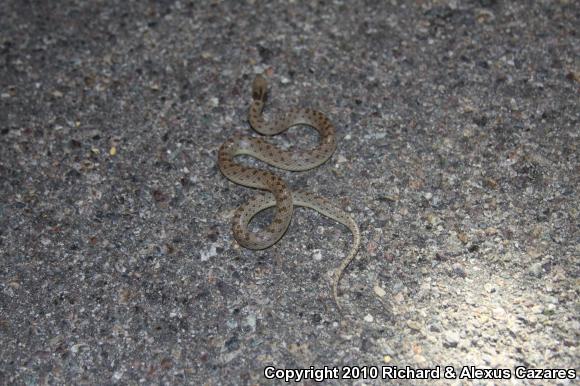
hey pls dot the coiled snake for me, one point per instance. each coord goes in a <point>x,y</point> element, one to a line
<point>277,192</point>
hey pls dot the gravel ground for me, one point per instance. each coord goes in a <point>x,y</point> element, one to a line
<point>458,125</point>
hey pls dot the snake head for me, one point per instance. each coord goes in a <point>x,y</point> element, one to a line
<point>259,88</point>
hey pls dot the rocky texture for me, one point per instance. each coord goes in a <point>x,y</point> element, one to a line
<point>458,156</point>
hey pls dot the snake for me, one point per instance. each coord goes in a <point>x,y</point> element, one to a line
<point>275,191</point>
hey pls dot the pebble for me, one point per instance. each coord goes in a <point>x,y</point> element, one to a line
<point>251,322</point>
<point>471,300</point>
<point>369,318</point>
<point>459,270</point>
<point>317,254</point>
<point>419,359</point>
<point>117,375</point>
<point>513,327</point>
<point>435,327</point>
<point>451,339</point>
<point>536,269</point>
<point>489,287</point>
<point>499,313</point>
<point>397,286</point>
<point>379,291</point>
<point>209,252</point>
<point>413,325</point>
<point>398,298</point>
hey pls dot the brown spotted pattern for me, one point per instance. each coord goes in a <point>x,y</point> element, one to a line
<point>277,193</point>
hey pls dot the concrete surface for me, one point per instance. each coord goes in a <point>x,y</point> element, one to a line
<point>458,127</point>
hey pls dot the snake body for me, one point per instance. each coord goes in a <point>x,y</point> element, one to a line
<point>277,192</point>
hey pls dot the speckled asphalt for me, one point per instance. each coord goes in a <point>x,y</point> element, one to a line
<point>458,125</point>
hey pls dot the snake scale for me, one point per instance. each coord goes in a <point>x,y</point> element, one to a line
<point>277,194</point>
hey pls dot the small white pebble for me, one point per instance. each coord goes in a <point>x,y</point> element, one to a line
<point>117,375</point>
<point>208,252</point>
<point>379,291</point>
<point>76,347</point>
<point>214,102</point>
<point>317,255</point>
<point>489,287</point>
<point>251,322</point>
<point>369,318</point>
<point>499,313</point>
<point>419,359</point>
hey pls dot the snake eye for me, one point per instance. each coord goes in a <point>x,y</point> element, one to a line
<point>259,94</point>
<point>259,88</point>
